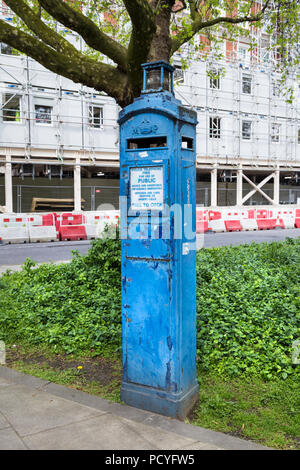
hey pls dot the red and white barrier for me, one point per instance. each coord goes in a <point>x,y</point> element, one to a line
<point>13,220</point>
<point>38,234</point>
<point>42,228</point>
<point>14,228</point>
<point>217,225</point>
<point>70,226</point>
<point>14,234</point>
<point>231,219</point>
<point>249,224</point>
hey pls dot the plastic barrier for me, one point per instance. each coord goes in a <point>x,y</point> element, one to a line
<point>92,231</point>
<point>285,218</point>
<point>251,214</point>
<point>288,222</point>
<point>14,234</point>
<point>202,226</point>
<point>249,224</point>
<point>233,225</point>
<point>201,221</point>
<point>217,225</point>
<point>48,220</point>
<point>262,214</point>
<point>68,218</point>
<point>16,220</point>
<point>13,228</point>
<point>214,215</point>
<point>34,220</point>
<point>266,224</point>
<point>22,228</point>
<point>112,217</point>
<point>71,226</point>
<point>231,215</point>
<point>72,232</point>
<point>39,234</point>
<point>93,218</point>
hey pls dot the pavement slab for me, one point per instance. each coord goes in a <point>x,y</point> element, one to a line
<point>40,415</point>
<point>3,422</point>
<point>31,411</point>
<point>106,432</point>
<point>9,440</point>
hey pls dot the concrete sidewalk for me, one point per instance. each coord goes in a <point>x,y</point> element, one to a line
<point>36,414</point>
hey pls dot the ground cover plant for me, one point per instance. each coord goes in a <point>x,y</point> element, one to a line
<point>59,321</point>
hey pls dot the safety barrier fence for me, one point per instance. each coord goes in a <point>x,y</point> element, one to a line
<point>227,219</point>
<point>51,227</point>
<point>70,226</point>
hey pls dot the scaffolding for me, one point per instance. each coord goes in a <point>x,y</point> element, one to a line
<point>256,131</point>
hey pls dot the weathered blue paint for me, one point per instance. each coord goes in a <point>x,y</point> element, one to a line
<point>158,268</point>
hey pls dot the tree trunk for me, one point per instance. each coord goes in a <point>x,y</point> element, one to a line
<point>161,45</point>
<point>160,49</point>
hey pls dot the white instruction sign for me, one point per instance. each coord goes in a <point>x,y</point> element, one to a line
<point>147,188</point>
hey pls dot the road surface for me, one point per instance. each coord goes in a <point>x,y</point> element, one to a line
<point>13,255</point>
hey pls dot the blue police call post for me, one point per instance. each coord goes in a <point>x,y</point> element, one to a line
<point>158,236</point>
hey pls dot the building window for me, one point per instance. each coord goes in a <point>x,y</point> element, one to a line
<point>246,84</point>
<point>214,79</point>
<point>275,132</point>
<point>178,75</point>
<point>43,114</point>
<point>214,128</point>
<point>11,107</point>
<point>246,130</point>
<point>242,53</point>
<point>275,88</point>
<point>95,116</point>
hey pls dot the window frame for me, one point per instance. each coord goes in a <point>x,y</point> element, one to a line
<point>47,124</point>
<point>275,137</point>
<point>180,72</point>
<point>242,57</point>
<point>214,79</point>
<point>3,108</point>
<point>248,139</point>
<point>275,88</point>
<point>246,76</point>
<point>214,131</point>
<point>91,117</point>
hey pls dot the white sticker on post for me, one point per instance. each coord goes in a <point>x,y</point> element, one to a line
<point>147,188</point>
<point>143,154</point>
<point>185,248</point>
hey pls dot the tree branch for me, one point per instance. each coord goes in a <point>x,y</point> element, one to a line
<point>199,24</point>
<point>143,29</point>
<point>75,66</point>
<point>87,29</point>
<point>39,28</point>
<point>193,8</point>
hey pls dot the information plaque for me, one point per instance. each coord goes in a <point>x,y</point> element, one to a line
<point>147,188</point>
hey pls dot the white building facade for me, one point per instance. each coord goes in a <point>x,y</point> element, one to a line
<point>56,134</point>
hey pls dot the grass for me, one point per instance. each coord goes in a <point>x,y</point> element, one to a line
<point>98,376</point>
<point>265,412</point>
<point>247,320</point>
